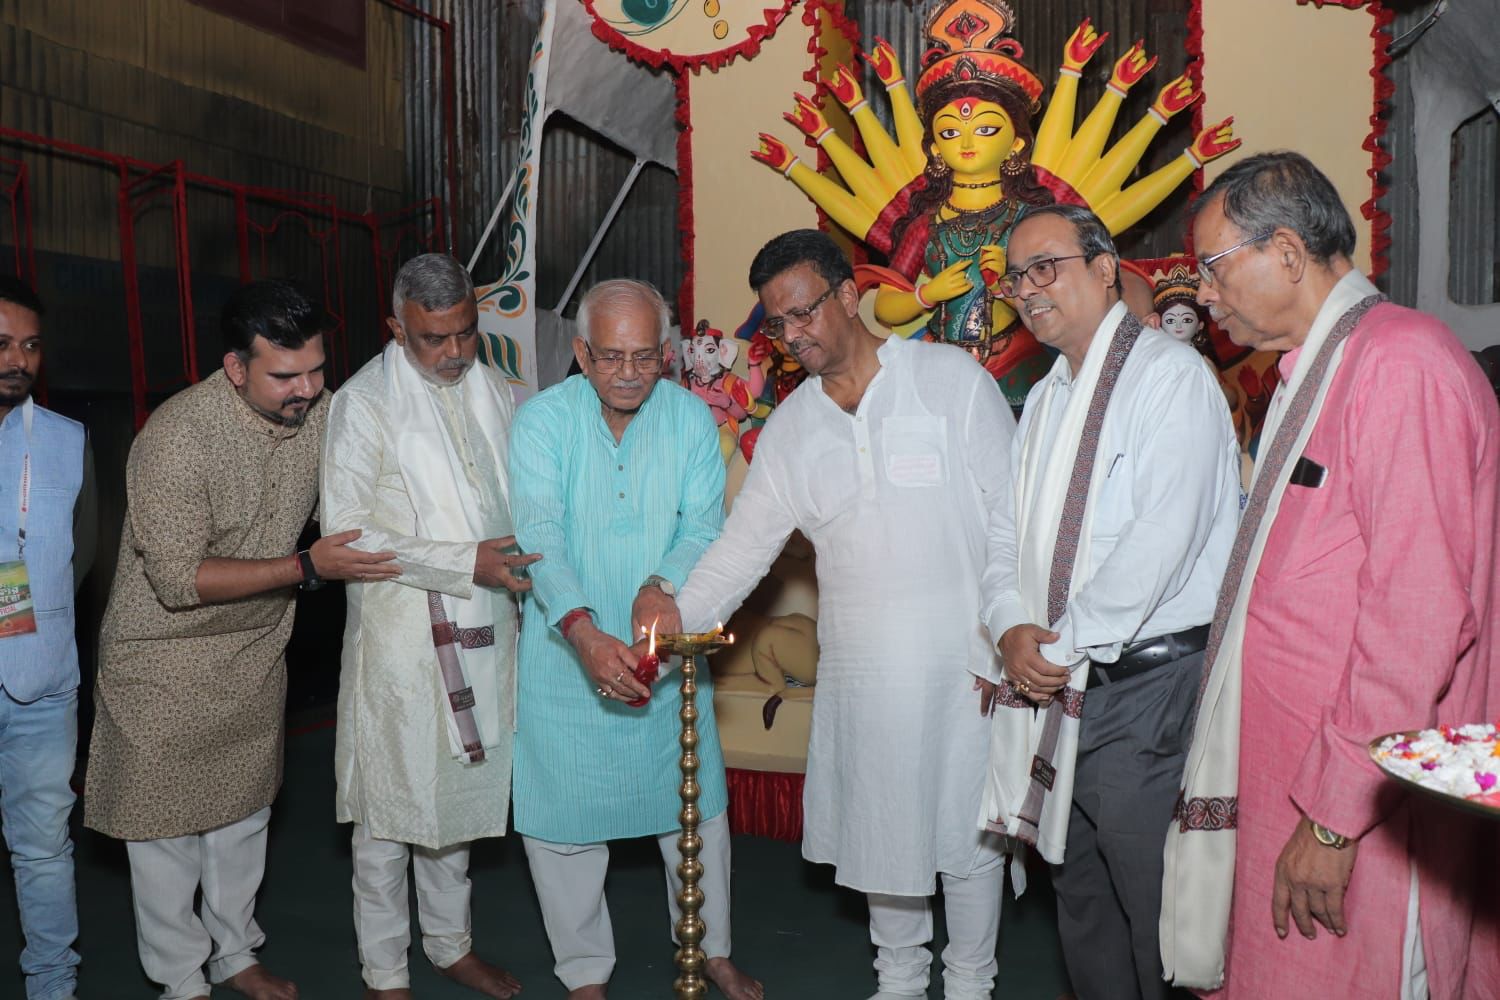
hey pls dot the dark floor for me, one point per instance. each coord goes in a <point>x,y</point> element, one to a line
<point>794,929</point>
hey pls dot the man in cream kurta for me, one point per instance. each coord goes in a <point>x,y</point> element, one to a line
<point>889,459</point>
<point>416,458</point>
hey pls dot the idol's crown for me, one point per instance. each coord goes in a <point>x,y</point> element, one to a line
<point>971,40</point>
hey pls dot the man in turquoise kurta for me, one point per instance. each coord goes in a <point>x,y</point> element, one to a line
<point>617,481</point>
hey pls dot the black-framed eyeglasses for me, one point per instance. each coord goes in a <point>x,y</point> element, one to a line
<point>608,363</point>
<point>1041,272</point>
<point>1206,264</point>
<point>775,326</point>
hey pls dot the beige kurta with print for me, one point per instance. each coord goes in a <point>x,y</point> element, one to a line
<point>189,700</point>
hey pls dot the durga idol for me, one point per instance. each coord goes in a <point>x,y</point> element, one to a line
<point>941,196</point>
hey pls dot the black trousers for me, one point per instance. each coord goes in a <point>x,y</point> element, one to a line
<point>1132,746</point>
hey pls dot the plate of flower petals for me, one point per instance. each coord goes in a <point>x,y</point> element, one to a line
<point>1460,764</point>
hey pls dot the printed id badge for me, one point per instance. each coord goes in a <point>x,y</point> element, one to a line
<point>17,615</point>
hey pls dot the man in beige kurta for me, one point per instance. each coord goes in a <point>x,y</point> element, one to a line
<point>415,458</point>
<point>187,744</point>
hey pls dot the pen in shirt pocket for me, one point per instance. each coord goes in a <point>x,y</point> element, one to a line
<point>1114,462</point>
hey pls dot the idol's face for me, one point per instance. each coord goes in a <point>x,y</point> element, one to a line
<point>1181,322</point>
<point>974,137</point>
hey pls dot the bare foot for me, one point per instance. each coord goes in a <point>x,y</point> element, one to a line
<point>258,984</point>
<point>595,992</point>
<point>401,994</point>
<point>731,982</point>
<point>482,977</point>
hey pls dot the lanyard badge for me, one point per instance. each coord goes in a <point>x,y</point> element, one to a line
<point>17,611</point>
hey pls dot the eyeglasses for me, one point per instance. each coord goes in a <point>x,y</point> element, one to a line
<point>1042,273</point>
<point>1206,264</point>
<point>613,361</point>
<point>775,326</point>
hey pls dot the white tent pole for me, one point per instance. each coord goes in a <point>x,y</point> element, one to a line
<point>609,217</point>
<point>489,228</point>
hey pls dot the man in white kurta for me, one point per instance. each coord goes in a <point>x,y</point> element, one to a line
<point>889,459</point>
<point>1100,586</point>
<point>415,458</point>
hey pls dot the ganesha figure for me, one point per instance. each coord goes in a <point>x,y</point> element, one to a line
<point>706,362</point>
<point>941,196</point>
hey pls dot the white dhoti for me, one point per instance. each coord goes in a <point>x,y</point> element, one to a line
<point>901,927</point>
<point>569,880</point>
<point>176,943</point>
<point>382,915</point>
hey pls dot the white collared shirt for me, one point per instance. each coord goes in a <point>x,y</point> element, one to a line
<point>1164,519</point>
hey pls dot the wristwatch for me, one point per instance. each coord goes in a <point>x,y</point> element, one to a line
<point>661,583</point>
<point>310,578</point>
<point>1327,837</point>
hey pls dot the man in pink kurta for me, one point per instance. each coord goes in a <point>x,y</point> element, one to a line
<point>1373,608</point>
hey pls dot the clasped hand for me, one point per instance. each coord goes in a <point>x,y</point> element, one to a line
<point>1028,671</point>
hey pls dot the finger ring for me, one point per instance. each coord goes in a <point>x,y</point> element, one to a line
<point>603,691</point>
<point>619,677</point>
<point>1023,686</point>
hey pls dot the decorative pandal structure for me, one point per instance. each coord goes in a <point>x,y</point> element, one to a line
<point>690,983</point>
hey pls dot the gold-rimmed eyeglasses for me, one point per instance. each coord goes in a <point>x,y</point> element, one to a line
<point>610,362</point>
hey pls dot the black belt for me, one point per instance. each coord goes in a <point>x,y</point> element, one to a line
<point>1148,654</point>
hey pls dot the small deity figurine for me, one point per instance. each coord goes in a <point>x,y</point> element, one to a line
<point>707,358</point>
<point>941,197</point>
<point>1247,377</point>
<point>1176,301</point>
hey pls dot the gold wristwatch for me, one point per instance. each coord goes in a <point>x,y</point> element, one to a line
<point>1327,837</point>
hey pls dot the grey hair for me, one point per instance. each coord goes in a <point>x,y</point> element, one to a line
<point>1093,235</point>
<point>1283,190</point>
<point>616,292</point>
<point>434,281</point>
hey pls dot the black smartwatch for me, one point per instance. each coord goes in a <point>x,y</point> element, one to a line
<point>310,578</point>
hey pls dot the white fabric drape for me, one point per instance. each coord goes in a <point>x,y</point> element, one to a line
<point>448,509</point>
<point>1041,489</point>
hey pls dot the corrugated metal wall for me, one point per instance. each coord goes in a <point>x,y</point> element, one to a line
<point>580,173</point>
<point>164,80</point>
<point>1474,222</point>
<point>1474,226</point>
<point>1044,28</point>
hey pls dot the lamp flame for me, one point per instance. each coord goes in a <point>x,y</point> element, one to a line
<point>651,647</point>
